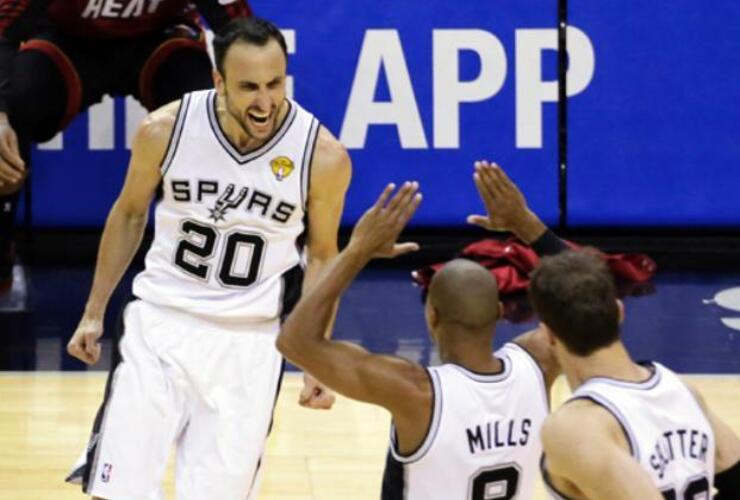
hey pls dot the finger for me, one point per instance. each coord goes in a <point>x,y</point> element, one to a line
<point>484,191</point>
<point>75,350</point>
<point>404,248</point>
<point>395,202</point>
<point>12,153</point>
<point>8,173</point>
<point>492,181</point>
<point>9,153</point>
<point>410,209</point>
<point>502,180</point>
<point>383,198</point>
<point>478,220</point>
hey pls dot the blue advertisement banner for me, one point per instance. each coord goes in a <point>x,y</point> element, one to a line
<point>415,90</point>
<point>654,139</point>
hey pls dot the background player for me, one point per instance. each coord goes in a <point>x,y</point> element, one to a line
<point>198,364</point>
<point>630,429</point>
<point>74,52</point>
<point>466,429</point>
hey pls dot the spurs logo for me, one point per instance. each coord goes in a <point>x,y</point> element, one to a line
<point>226,202</point>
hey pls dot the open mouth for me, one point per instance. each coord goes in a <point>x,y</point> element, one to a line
<point>259,119</point>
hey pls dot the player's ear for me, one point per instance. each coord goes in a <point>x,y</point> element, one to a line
<point>218,82</point>
<point>620,308</point>
<point>548,334</point>
<point>500,312</point>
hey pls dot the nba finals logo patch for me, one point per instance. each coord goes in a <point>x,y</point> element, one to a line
<point>282,167</point>
<point>105,475</point>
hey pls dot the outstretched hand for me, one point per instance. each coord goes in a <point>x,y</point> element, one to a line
<point>506,207</point>
<point>376,232</point>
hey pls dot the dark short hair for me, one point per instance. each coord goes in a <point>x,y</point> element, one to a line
<point>574,295</point>
<point>252,30</point>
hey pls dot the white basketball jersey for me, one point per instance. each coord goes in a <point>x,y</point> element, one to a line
<point>230,226</point>
<point>484,438</point>
<point>667,431</point>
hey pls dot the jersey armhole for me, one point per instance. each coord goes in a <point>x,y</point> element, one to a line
<point>614,411</point>
<point>547,481</point>
<point>308,152</point>
<point>176,135</point>
<point>537,368</point>
<point>432,430</point>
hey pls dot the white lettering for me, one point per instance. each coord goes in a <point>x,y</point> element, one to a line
<point>134,8</point>
<point>290,42</point>
<point>154,5</point>
<point>93,9</point>
<point>381,49</point>
<point>532,92</point>
<point>101,124</point>
<point>112,8</point>
<point>449,91</point>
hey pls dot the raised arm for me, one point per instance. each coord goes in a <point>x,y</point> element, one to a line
<point>124,228</point>
<point>537,344</point>
<point>388,381</point>
<point>586,456</point>
<point>507,210</point>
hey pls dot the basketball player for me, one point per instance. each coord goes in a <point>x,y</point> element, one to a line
<point>248,177</point>
<point>630,430</point>
<point>58,57</point>
<point>466,429</point>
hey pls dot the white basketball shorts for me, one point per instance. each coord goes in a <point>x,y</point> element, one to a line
<point>208,388</point>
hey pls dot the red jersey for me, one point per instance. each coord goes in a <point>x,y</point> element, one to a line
<point>21,19</point>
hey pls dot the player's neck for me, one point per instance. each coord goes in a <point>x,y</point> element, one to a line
<point>238,136</point>
<point>469,350</point>
<point>612,362</point>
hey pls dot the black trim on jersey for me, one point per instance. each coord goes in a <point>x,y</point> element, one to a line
<point>292,281</point>
<point>611,408</point>
<point>540,371</point>
<point>223,139</point>
<point>548,482</point>
<point>308,151</point>
<point>394,433</point>
<point>644,385</point>
<point>272,421</point>
<point>84,473</point>
<point>393,479</point>
<point>434,424</point>
<point>176,135</point>
<point>500,376</point>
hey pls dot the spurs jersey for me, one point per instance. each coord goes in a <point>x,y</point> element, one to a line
<point>667,431</point>
<point>483,441</point>
<point>230,226</point>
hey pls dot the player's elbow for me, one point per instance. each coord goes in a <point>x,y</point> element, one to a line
<point>287,345</point>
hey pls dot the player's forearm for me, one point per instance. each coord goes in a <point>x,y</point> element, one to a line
<point>121,239</point>
<point>307,325</point>
<point>314,270</point>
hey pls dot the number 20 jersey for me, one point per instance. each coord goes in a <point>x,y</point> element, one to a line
<point>230,226</point>
<point>484,438</point>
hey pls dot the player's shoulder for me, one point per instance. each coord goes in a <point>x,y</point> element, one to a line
<point>579,419</point>
<point>153,135</point>
<point>330,156</point>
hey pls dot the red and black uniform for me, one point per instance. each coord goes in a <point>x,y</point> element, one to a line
<point>58,57</point>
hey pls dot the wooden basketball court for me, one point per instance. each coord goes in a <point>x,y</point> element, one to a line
<point>45,419</point>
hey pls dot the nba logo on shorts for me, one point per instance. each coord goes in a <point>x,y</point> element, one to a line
<point>105,475</point>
